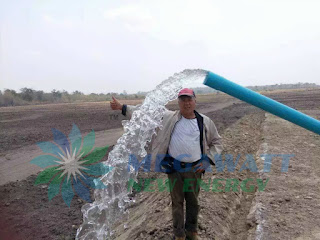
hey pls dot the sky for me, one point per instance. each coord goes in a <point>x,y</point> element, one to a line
<point>110,46</point>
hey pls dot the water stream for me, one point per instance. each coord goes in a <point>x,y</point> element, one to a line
<point>111,203</point>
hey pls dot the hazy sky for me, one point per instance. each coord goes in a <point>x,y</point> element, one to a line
<point>111,46</point>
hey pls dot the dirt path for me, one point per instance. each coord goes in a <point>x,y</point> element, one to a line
<point>290,206</point>
<point>15,164</point>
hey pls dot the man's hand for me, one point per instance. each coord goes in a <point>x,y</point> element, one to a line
<point>115,104</point>
<point>201,166</point>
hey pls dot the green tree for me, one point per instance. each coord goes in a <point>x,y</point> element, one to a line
<point>27,94</point>
<point>39,95</point>
<point>56,95</point>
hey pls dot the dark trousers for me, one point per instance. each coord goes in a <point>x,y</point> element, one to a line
<point>184,188</point>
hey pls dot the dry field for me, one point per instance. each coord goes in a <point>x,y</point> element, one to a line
<point>287,209</point>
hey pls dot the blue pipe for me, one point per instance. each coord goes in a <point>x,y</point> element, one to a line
<point>217,82</point>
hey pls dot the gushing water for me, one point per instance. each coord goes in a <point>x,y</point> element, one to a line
<point>110,203</point>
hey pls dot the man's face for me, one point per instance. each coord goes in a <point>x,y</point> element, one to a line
<point>187,104</point>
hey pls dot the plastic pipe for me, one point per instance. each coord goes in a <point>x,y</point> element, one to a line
<point>217,82</point>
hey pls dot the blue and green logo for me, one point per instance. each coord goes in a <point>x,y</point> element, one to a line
<point>71,165</point>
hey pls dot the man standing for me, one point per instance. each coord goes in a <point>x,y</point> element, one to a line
<point>193,140</point>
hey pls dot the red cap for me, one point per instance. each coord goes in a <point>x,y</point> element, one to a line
<point>186,92</point>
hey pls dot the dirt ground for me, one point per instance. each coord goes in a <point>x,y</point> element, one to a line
<point>287,209</point>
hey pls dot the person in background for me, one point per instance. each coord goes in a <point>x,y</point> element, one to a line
<point>192,143</point>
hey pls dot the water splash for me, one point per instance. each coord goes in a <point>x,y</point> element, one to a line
<point>110,203</point>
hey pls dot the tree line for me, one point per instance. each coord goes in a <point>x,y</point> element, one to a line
<point>27,96</point>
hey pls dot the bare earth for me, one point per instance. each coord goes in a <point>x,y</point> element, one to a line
<point>287,209</point>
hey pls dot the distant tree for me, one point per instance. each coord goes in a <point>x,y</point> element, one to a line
<point>12,92</point>
<point>10,98</point>
<point>39,95</point>
<point>93,97</point>
<point>65,96</point>
<point>27,94</point>
<point>77,93</point>
<point>56,95</point>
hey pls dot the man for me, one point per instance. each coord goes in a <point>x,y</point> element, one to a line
<point>190,140</point>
